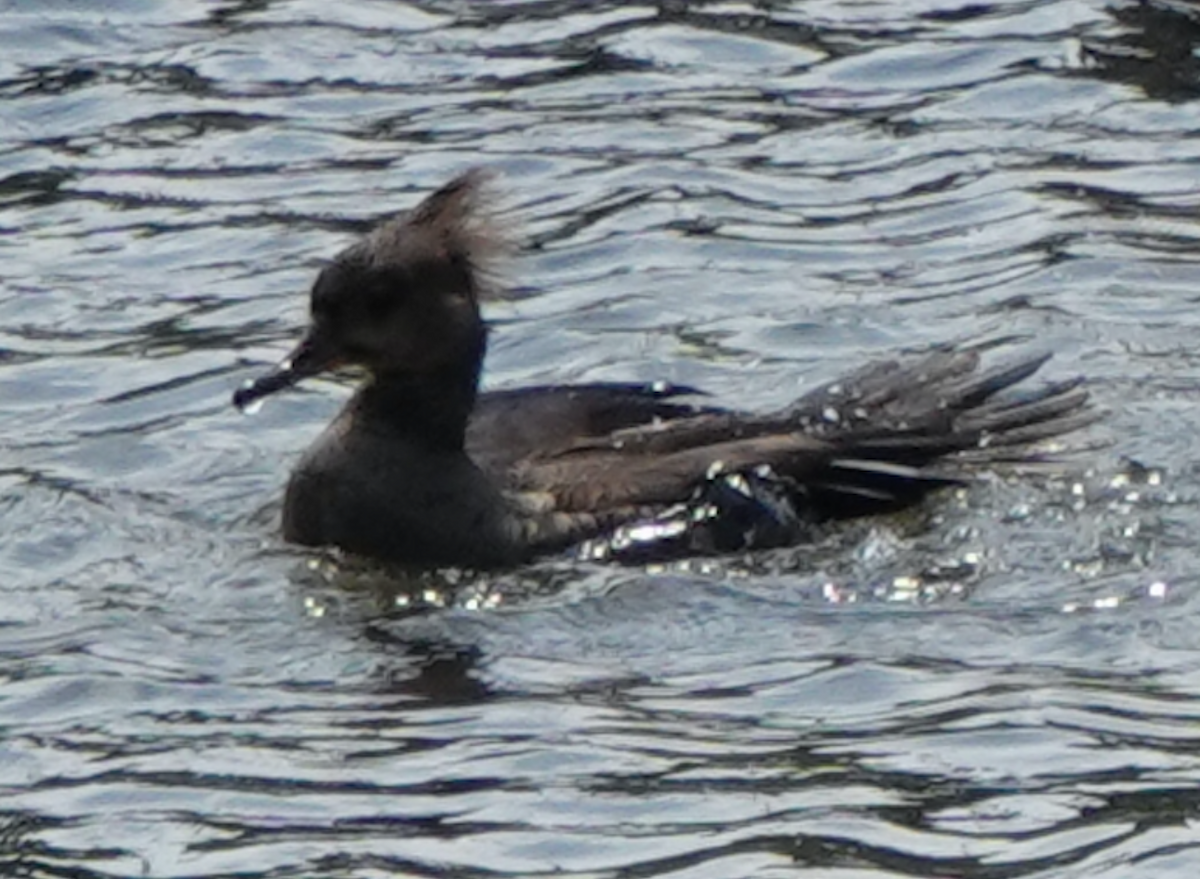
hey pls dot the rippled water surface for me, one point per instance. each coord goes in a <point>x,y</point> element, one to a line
<point>747,196</point>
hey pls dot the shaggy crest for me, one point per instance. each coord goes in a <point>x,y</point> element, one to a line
<point>457,223</point>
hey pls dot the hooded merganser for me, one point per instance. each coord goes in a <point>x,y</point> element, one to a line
<point>420,467</point>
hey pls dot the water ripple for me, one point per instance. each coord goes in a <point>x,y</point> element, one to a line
<point>1002,684</point>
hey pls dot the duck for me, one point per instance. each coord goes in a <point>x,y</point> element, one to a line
<point>423,468</point>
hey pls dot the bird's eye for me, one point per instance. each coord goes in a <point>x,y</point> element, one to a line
<point>325,302</point>
<point>327,310</point>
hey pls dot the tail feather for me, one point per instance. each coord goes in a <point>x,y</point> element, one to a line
<point>976,389</point>
<point>1005,425</point>
<point>940,408</point>
<point>1018,398</point>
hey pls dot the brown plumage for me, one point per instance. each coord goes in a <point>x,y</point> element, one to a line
<point>419,467</point>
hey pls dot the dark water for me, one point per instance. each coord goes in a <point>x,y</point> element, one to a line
<point>746,196</point>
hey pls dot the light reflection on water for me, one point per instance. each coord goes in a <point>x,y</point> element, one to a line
<point>744,198</point>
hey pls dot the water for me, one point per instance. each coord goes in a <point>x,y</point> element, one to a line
<point>748,197</point>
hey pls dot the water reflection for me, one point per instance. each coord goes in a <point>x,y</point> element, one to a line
<point>1002,685</point>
